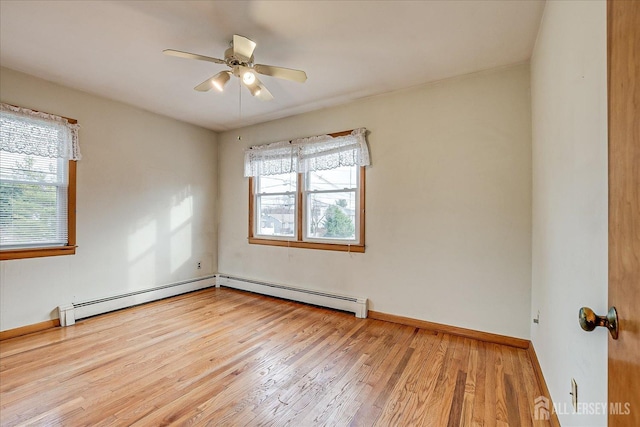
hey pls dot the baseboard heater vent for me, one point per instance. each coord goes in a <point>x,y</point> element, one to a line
<point>323,299</point>
<point>71,312</point>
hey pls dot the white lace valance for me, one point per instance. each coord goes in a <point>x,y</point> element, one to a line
<point>308,154</point>
<point>24,131</point>
<point>270,159</point>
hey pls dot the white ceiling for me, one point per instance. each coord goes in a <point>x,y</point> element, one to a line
<point>349,49</point>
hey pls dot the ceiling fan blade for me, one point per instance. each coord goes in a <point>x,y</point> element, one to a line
<point>216,82</point>
<point>243,47</point>
<point>264,94</point>
<point>181,54</point>
<point>281,72</point>
<point>206,85</point>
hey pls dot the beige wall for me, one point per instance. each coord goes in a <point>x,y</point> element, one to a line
<point>569,108</point>
<point>448,204</point>
<point>146,205</point>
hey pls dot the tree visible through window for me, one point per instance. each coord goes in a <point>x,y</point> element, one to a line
<point>337,223</point>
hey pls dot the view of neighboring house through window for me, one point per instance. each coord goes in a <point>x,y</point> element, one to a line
<point>276,205</point>
<point>37,183</point>
<point>309,193</point>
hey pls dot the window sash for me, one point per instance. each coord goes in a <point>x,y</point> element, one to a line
<point>306,196</point>
<point>259,210</point>
<point>306,214</point>
<point>22,223</point>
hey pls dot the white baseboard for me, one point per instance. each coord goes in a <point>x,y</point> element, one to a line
<point>356,305</point>
<point>69,313</point>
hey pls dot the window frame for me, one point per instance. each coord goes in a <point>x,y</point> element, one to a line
<point>47,251</point>
<point>298,241</point>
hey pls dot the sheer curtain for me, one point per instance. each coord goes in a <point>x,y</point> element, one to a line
<point>270,159</point>
<point>24,131</point>
<point>303,155</point>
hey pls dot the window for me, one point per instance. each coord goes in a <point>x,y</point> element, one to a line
<point>309,193</point>
<point>38,154</point>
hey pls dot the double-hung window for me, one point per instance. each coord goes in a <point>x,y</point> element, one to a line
<point>38,154</point>
<point>309,192</point>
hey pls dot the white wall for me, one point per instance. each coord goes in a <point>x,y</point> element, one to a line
<point>146,204</point>
<point>569,269</point>
<point>448,204</point>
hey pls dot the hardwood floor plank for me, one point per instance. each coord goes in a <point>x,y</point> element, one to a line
<point>383,381</point>
<point>500,391</point>
<point>227,357</point>
<point>511,401</point>
<point>429,376</point>
<point>470,385</point>
<point>529,385</point>
<point>455,412</point>
<point>477,418</point>
<point>403,396</point>
<point>490,418</point>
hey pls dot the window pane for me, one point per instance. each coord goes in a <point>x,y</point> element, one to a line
<point>33,200</point>
<point>31,168</point>
<point>331,215</point>
<point>276,215</point>
<point>282,183</point>
<point>32,214</point>
<point>333,179</point>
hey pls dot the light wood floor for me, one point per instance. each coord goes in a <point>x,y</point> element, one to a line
<point>225,357</point>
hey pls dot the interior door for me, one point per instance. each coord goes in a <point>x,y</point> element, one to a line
<point>623,28</point>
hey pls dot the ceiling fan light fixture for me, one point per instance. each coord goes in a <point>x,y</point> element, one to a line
<point>248,78</point>
<point>220,79</point>
<point>254,89</point>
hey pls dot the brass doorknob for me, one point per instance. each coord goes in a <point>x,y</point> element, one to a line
<point>589,320</point>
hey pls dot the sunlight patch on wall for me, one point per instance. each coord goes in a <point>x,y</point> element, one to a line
<point>142,240</point>
<point>142,273</point>
<point>180,247</point>
<point>181,212</point>
<point>142,255</point>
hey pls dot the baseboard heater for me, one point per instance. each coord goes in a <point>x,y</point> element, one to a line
<point>71,312</point>
<point>358,306</point>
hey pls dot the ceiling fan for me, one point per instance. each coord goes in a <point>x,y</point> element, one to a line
<point>239,57</point>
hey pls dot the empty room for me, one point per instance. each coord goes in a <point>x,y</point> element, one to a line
<point>320,213</point>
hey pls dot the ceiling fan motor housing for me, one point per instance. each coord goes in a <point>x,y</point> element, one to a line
<point>232,60</point>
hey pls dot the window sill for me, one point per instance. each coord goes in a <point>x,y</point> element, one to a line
<point>36,252</point>
<point>308,245</point>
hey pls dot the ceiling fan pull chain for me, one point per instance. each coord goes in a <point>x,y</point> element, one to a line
<point>239,107</point>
